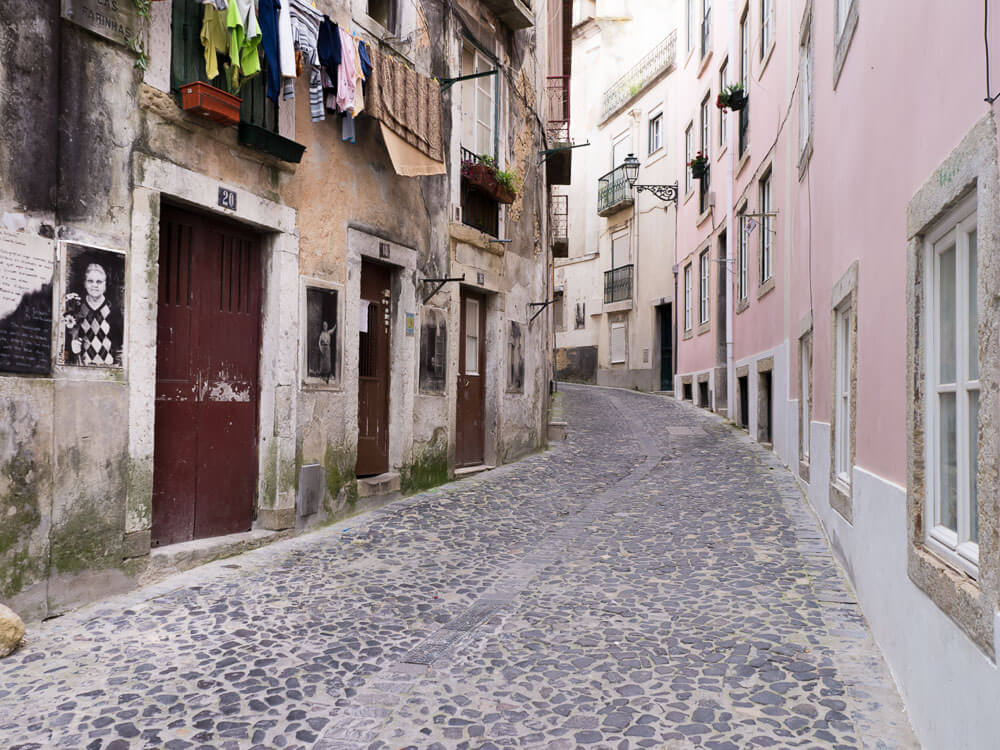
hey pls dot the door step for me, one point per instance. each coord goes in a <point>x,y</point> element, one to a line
<point>380,484</point>
<point>468,471</point>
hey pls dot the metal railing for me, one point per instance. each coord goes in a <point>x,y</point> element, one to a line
<point>618,284</point>
<point>612,189</point>
<point>557,109</point>
<point>559,218</point>
<point>658,60</point>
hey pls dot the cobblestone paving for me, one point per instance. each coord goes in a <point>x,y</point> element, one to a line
<point>656,581</point>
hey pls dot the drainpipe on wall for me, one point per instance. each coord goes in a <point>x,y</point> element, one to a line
<point>730,235</point>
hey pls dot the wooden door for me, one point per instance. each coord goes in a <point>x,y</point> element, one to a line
<point>470,419</point>
<point>207,362</point>
<point>373,370</point>
<point>666,322</point>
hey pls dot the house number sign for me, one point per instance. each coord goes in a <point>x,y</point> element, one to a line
<point>227,198</point>
<point>116,20</point>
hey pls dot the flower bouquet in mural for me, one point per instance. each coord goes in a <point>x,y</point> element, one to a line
<point>72,313</point>
<point>499,184</point>
<point>699,165</point>
<point>733,96</point>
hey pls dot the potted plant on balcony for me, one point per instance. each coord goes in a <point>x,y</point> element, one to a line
<point>699,165</point>
<point>211,103</point>
<point>733,96</point>
<point>499,184</point>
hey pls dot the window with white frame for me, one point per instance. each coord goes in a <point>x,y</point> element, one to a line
<point>706,125</point>
<point>766,233</point>
<point>617,342</point>
<point>953,389</point>
<point>385,12</point>
<point>691,23</point>
<point>766,26</point>
<point>742,287</point>
<point>805,395</point>
<point>842,396</point>
<point>687,297</point>
<point>688,135</point>
<point>842,7</point>
<point>805,87</point>
<point>745,48</point>
<point>479,98</point>
<point>621,147</point>
<point>704,264</point>
<point>723,82</point>
<point>471,337</point>
<point>655,132</point>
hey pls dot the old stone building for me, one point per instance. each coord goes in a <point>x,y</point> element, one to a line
<point>214,328</point>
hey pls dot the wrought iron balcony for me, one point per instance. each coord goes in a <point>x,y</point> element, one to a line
<point>559,224</point>
<point>557,109</point>
<point>613,192</point>
<point>516,14</point>
<point>618,284</point>
<point>661,58</point>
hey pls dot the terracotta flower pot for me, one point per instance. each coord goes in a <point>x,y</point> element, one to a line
<point>211,103</point>
<point>484,178</point>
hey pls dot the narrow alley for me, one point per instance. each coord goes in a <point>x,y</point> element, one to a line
<point>657,580</point>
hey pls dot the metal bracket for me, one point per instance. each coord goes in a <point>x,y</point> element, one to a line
<point>541,308</point>
<point>447,83</point>
<point>549,151</point>
<point>440,283</point>
<point>666,193</point>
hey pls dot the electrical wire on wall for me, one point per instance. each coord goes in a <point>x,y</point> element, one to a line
<point>990,97</point>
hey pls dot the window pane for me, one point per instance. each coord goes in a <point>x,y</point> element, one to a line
<point>947,462</point>
<point>973,466</point>
<point>973,311</point>
<point>946,315</point>
<point>484,138</point>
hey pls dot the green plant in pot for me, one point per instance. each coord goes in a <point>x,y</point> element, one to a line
<point>499,184</point>
<point>699,165</point>
<point>733,96</point>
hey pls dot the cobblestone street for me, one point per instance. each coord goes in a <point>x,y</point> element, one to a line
<point>655,581</point>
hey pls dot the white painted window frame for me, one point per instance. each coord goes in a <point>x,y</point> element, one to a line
<point>688,138</point>
<point>766,27</point>
<point>805,87</point>
<point>704,263</point>
<point>620,329</point>
<point>955,546</point>
<point>842,396</point>
<point>723,82</point>
<point>472,310</point>
<point>488,87</point>
<point>766,265</point>
<point>687,297</point>
<point>742,273</point>
<point>706,124</point>
<point>691,29</point>
<point>655,123</point>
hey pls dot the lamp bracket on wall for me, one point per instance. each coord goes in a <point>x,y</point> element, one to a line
<point>666,193</point>
<point>550,151</point>
<point>541,308</point>
<point>447,83</point>
<point>440,283</point>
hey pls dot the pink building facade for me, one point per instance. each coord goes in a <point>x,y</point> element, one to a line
<point>838,278</point>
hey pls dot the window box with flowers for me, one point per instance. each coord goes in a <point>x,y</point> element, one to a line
<point>481,172</point>
<point>733,97</point>
<point>699,165</point>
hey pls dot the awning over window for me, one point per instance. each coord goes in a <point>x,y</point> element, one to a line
<point>407,160</point>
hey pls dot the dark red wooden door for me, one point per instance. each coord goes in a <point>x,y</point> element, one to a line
<point>470,416</point>
<point>373,370</point>
<point>207,362</point>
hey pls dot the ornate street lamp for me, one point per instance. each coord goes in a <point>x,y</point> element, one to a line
<point>663,192</point>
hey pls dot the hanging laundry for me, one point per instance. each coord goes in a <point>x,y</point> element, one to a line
<point>305,32</point>
<point>408,105</point>
<point>346,73</point>
<point>329,49</point>
<point>286,42</point>
<point>244,39</point>
<point>347,131</point>
<point>267,14</point>
<point>358,101</point>
<point>214,38</point>
<point>222,5</point>
<point>366,59</point>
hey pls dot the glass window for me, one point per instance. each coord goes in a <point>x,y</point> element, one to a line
<point>687,297</point>
<point>723,82</point>
<point>766,21</point>
<point>655,133</point>
<point>741,257</point>
<point>805,90</point>
<point>471,337</point>
<point>842,394</point>
<point>704,273</point>
<point>479,96</point>
<point>953,391</point>
<point>766,234</point>
<point>687,158</point>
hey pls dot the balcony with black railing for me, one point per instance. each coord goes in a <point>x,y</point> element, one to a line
<point>479,210</point>
<point>516,14</point>
<point>618,284</point>
<point>661,58</point>
<point>559,159</point>
<point>613,192</point>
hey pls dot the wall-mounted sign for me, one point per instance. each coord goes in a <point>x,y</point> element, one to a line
<point>26,268</point>
<point>227,198</point>
<point>93,321</point>
<point>480,278</point>
<point>117,20</point>
<point>410,324</point>
<point>383,249</point>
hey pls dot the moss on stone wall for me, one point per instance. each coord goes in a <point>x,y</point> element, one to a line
<point>339,462</point>
<point>21,516</point>
<point>428,469</point>
<point>86,540</point>
<point>269,477</point>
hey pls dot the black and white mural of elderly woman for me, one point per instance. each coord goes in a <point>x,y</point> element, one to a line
<point>93,324</point>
